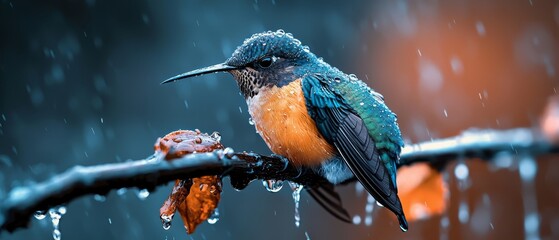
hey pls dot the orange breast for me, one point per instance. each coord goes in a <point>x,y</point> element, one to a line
<point>280,116</point>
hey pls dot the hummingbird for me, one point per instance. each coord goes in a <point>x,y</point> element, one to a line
<point>317,117</point>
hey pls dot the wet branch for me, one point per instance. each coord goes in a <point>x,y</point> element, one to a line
<point>22,202</point>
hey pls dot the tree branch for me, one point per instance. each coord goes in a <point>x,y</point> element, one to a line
<point>22,202</point>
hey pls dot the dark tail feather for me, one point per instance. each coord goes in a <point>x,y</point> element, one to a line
<point>329,199</point>
<point>403,222</point>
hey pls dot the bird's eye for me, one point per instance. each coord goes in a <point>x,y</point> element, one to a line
<point>266,62</point>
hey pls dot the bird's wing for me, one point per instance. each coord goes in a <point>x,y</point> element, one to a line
<point>340,123</point>
<point>328,198</point>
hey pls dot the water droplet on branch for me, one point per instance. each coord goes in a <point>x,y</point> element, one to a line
<point>214,217</point>
<point>40,215</point>
<point>273,185</point>
<point>99,198</point>
<point>143,194</point>
<point>166,221</point>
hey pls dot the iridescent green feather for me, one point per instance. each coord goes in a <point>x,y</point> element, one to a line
<point>380,121</point>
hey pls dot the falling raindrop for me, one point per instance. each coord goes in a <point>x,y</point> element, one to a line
<point>359,188</point>
<point>214,217</point>
<point>463,213</point>
<point>461,171</point>
<point>368,220</point>
<point>273,185</point>
<point>528,168</point>
<point>456,65</point>
<point>55,214</point>
<point>369,208</point>
<point>143,194</point>
<point>296,198</point>
<point>56,235</point>
<point>480,28</point>
<point>356,220</point>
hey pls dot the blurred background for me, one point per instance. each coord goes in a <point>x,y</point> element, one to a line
<point>79,85</point>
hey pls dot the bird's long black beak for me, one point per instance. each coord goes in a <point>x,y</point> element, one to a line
<point>222,67</point>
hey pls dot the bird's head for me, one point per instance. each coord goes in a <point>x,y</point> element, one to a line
<point>264,60</point>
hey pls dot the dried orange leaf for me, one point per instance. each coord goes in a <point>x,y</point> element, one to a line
<point>195,199</point>
<point>179,143</point>
<point>550,120</point>
<point>422,191</point>
<point>201,201</point>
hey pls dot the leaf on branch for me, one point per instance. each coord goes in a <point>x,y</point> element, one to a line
<point>550,120</point>
<point>422,191</point>
<point>196,199</point>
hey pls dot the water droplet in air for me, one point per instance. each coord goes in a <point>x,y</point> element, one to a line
<point>369,208</point>
<point>273,185</point>
<point>368,220</point>
<point>250,121</point>
<point>40,215</point>
<point>214,217</point>
<point>143,194</point>
<point>356,219</point>
<point>55,214</point>
<point>461,171</point>
<point>296,198</point>
<point>480,28</point>
<point>166,221</point>
<point>56,235</point>
<point>528,168</point>
<point>463,212</point>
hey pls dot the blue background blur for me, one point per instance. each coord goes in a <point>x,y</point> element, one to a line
<point>79,85</point>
